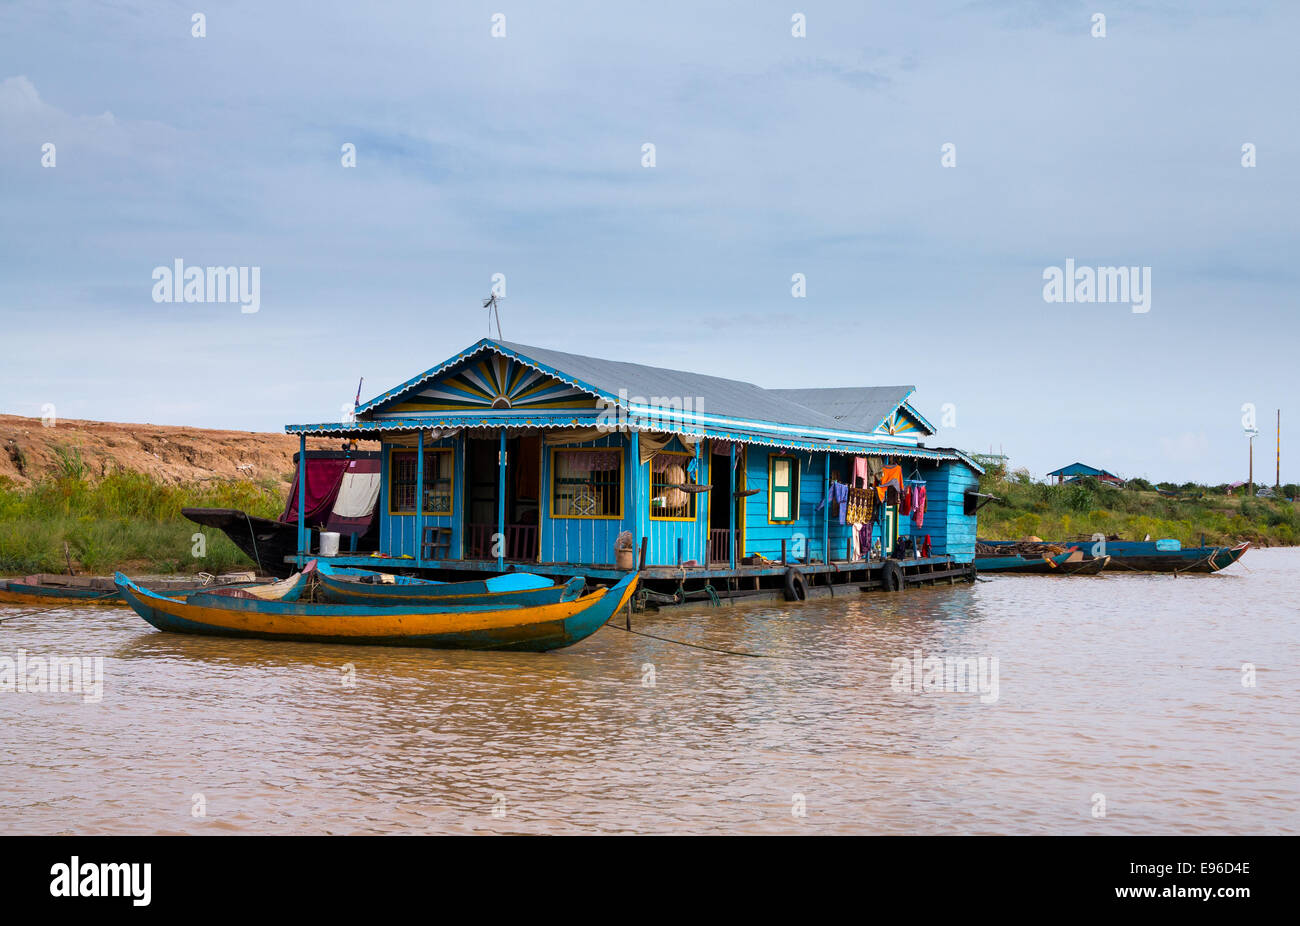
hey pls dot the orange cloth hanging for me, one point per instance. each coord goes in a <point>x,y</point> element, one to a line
<point>890,474</point>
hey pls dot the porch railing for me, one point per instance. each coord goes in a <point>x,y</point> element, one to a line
<point>719,545</point>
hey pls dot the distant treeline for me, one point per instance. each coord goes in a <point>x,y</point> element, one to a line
<point>1086,507</point>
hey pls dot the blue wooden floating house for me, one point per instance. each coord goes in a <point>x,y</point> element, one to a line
<point>507,456</point>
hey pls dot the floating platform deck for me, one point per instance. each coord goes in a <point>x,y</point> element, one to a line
<point>680,584</point>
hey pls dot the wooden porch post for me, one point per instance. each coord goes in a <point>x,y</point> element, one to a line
<point>826,515</point>
<point>633,470</point>
<point>699,474</point>
<point>419,499</point>
<point>501,504</point>
<point>302,494</point>
<point>731,504</point>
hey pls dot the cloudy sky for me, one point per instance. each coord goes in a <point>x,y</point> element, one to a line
<point>774,155</point>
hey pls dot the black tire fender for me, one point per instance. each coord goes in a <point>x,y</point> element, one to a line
<point>891,576</point>
<point>796,589</point>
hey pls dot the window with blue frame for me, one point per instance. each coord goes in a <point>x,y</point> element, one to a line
<point>438,478</point>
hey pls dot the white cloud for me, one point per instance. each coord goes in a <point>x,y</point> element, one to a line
<point>1188,447</point>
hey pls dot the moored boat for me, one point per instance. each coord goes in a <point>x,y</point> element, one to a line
<point>344,585</point>
<point>54,590</point>
<point>1141,555</point>
<point>1069,563</point>
<point>341,490</point>
<point>1145,556</point>
<point>490,626</point>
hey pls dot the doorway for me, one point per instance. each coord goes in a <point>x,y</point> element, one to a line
<point>720,536</point>
<point>522,498</point>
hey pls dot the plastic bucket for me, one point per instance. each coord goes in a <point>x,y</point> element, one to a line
<point>329,543</point>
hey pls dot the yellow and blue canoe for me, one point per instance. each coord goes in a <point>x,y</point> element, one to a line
<point>479,626</point>
<point>344,585</point>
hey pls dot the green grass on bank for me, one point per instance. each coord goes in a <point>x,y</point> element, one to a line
<point>126,520</point>
<point>1086,507</point>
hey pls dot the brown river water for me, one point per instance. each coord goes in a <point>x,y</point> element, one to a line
<point>1120,708</point>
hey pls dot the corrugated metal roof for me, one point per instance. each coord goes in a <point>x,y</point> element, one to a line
<point>858,408</point>
<point>774,416</point>
<point>720,396</point>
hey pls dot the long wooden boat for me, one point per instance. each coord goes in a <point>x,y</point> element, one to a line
<point>1147,556</point>
<point>1144,556</point>
<point>487,626</point>
<point>55,590</point>
<point>345,585</point>
<point>264,541</point>
<point>1069,563</point>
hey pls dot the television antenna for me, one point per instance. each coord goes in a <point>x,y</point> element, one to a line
<point>494,310</point>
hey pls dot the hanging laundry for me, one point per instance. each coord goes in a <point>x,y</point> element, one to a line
<point>860,506</point>
<point>861,473</point>
<point>918,505</point>
<point>855,548</point>
<point>838,497</point>
<point>891,477</point>
<point>925,547</point>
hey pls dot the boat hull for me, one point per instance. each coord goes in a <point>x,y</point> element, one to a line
<point>1064,564</point>
<point>1197,559</point>
<point>1142,556</point>
<point>265,542</point>
<point>53,596</point>
<point>484,627</point>
<point>344,587</point>
<point>25,593</point>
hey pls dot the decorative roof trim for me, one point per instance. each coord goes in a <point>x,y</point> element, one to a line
<point>374,430</point>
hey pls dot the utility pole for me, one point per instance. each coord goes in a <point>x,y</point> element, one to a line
<point>1277,479</point>
<point>1250,479</point>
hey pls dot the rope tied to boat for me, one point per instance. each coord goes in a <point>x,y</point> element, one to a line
<point>711,649</point>
<point>253,536</point>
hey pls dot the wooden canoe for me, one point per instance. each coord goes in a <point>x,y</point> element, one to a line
<point>487,626</point>
<point>29,592</point>
<point>54,591</point>
<point>1146,555</point>
<point>1025,565</point>
<point>1086,566</point>
<point>359,586</point>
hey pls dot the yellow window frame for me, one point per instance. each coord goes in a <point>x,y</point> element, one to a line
<point>622,484</point>
<point>650,501</point>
